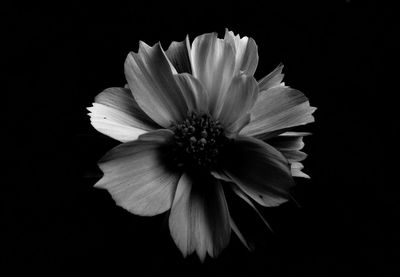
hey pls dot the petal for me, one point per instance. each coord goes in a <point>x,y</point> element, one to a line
<point>123,100</point>
<point>152,83</point>
<point>199,219</point>
<point>294,155</point>
<point>136,176</point>
<point>242,195</point>
<point>193,91</point>
<point>276,109</point>
<point>273,79</point>
<point>295,134</point>
<point>288,141</point>
<point>213,63</point>
<point>296,168</point>
<point>242,94</point>
<point>289,146</point>
<point>240,236</point>
<point>178,54</point>
<point>115,113</point>
<point>265,199</point>
<point>240,123</point>
<point>260,170</point>
<point>113,123</point>
<point>246,53</point>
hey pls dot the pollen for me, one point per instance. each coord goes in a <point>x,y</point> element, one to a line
<point>198,140</point>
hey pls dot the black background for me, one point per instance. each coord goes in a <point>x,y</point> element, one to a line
<point>58,58</point>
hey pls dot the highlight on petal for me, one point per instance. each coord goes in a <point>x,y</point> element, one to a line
<point>178,54</point>
<point>241,96</point>
<point>278,108</point>
<point>199,219</point>
<point>136,176</point>
<point>196,97</point>
<point>240,123</point>
<point>116,114</point>
<point>273,79</point>
<point>152,83</point>
<point>296,168</point>
<point>213,63</point>
<point>258,169</point>
<point>290,144</point>
<point>246,53</point>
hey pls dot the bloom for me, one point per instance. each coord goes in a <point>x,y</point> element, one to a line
<point>193,121</point>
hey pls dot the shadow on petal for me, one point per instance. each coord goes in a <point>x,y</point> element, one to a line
<point>260,170</point>
<point>199,219</point>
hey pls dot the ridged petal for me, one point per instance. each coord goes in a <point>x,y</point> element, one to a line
<point>278,108</point>
<point>290,144</point>
<point>296,168</point>
<point>196,97</point>
<point>116,114</point>
<point>213,63</point>
<point>260,170</point>
<point>178,54</point>
<point>136,176</point>
<point>240,98</point>
<point>153,85</point>
<point>273,79</point>
<point>246,53</point>
<point>199,219</point>
<point>242,195</point>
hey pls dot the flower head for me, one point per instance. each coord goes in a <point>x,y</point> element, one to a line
<point>193,120</point>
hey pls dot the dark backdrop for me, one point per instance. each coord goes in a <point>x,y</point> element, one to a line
<point>59,58</point>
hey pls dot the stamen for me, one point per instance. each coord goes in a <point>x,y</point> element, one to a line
<point>198,141</point>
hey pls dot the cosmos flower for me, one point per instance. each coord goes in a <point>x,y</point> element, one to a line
<point>193,122</point>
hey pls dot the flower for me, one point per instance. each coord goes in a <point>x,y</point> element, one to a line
<point>192,120</point>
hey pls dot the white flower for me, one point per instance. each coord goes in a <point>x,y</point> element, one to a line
<point>192,120</point>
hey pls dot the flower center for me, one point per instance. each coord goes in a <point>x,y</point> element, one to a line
<point>198,141</point>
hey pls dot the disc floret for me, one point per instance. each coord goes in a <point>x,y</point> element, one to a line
<point>198,140</point>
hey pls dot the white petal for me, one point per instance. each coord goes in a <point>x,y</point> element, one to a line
<point>178,54</point>
<point>115,113</point>
<point>295,134</point>
<point>296,168</point>
<point>136,176</point>
<point>114,123</point>
<point>213,63</point>
<point>260,170</point>
<point>152,83</point>
<point>240,98</point>
<point>276,109</point>
<point>123,100</point>
<point>199,219</point>
<point>294,155</point>
<point>246,53</point>
<point>240,124</point>
<point>290,144</point>
<point>285,142</point>
<point>193,91</point>
<point>273,79</point>
<point>240,236</point>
